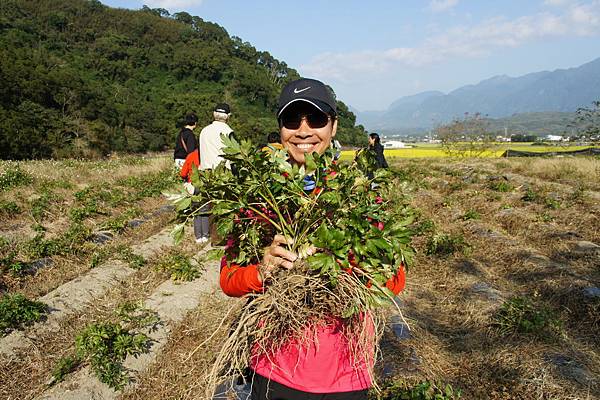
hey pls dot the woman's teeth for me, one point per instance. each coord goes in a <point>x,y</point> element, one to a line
<point>304,146</point>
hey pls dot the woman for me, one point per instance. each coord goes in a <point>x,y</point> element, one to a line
<point>324,368</point>
<point>377,148</point>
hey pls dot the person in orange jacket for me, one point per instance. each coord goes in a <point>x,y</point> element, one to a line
<point>201,226</point>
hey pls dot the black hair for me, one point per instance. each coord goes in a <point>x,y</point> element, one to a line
<point>190,119</point>
<point>273,137</point>
<point>375,137</point>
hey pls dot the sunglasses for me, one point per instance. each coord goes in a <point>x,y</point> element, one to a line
<point>314,120</point>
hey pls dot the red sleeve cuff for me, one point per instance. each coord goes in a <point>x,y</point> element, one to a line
<point>397,282</point>
<point>237,281</point>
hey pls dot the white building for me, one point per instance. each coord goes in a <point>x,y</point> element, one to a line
<point>394,144</point>
<point>554,138</point>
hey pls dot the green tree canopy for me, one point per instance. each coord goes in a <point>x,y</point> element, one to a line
<point>82,79</point>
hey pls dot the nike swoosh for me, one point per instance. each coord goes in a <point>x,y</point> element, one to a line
<point>301,90</point>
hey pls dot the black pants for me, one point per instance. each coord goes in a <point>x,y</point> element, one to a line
<point>264,389</point>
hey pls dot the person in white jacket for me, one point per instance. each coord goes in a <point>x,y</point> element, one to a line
<point>211,144</point>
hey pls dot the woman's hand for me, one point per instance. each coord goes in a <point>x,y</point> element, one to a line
<point>276,256</point>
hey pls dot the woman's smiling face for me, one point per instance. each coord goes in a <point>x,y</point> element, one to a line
<point>305,139</point>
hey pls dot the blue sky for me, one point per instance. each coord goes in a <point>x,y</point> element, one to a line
<point>373,53</point>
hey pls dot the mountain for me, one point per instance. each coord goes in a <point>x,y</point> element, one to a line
<point>562,90</point>
<point>80,79</point>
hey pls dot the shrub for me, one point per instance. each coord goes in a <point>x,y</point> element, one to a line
<point>521,315</point>
<point>13,176</point>
<point>444,244</point>
<point>16,310</point>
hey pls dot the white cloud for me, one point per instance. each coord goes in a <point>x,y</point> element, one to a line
<point>461,42</point>
<point>442,5</point>
<point>173,5</point>
<point>557,3</point>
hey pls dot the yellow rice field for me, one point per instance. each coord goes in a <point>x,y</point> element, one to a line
<point>425,150</point>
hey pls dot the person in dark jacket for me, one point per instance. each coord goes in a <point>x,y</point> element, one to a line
<point>186,142</point>
<point>377,148</point>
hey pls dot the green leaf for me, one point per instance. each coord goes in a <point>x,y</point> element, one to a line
<point>310,162</point>
<point>177,233</point>
<point>196,177</point>
<point>321,262</point>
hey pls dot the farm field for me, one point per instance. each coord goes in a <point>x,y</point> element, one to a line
<point>503,301</point>
<point>427,150</point>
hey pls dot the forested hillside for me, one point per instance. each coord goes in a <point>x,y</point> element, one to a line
<point>80,79</point>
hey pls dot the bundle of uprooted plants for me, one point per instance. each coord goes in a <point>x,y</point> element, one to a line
<point>353,217</point>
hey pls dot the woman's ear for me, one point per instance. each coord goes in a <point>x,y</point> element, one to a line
<point>334,127</point>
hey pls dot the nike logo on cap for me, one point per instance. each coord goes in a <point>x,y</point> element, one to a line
<point>301,90</point>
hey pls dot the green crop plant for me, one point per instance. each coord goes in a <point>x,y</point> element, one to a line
<point>423,226</point>
<point>471,214</point>
<point>135,261</point>
<point>56,184</point>
<point>425,390</point>
<point>40,205</point>
<point>70,242</point>
<point>65,366</point>
<point>136,316</point>
<point>150,185</point>
<point>119,224</point>
<point>551,203</point>
<point>106,345</point>
<point>457,186</point>
<point>444,244</point>
<point>39,247</point>
<point>579,195</point>
<point>11,264</point>
<point>500,186</point>
<point>520,315</point>
<point>16,311</point>
<point>530,195</point>
<point>9,208</point>
<point>14,176</point>
<point>179,266</point>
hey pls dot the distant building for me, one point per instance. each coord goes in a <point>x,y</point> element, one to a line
<point>394,144</point>
<point>554,138</point>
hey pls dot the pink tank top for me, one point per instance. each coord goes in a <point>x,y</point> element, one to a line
<point>324,365</point>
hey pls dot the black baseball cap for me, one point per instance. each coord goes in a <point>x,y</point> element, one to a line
<point>222,108</point>
<point>309,90</point>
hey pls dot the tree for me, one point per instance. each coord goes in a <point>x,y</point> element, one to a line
<point>78,78</point>
<point>588,120</point>
<point>466,137</point>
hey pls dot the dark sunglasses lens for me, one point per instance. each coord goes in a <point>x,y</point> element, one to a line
<point>317,120</point>
<point>291,121</point>
<point>314,120</point>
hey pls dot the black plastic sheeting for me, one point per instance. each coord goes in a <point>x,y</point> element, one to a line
<point>592,151</point>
